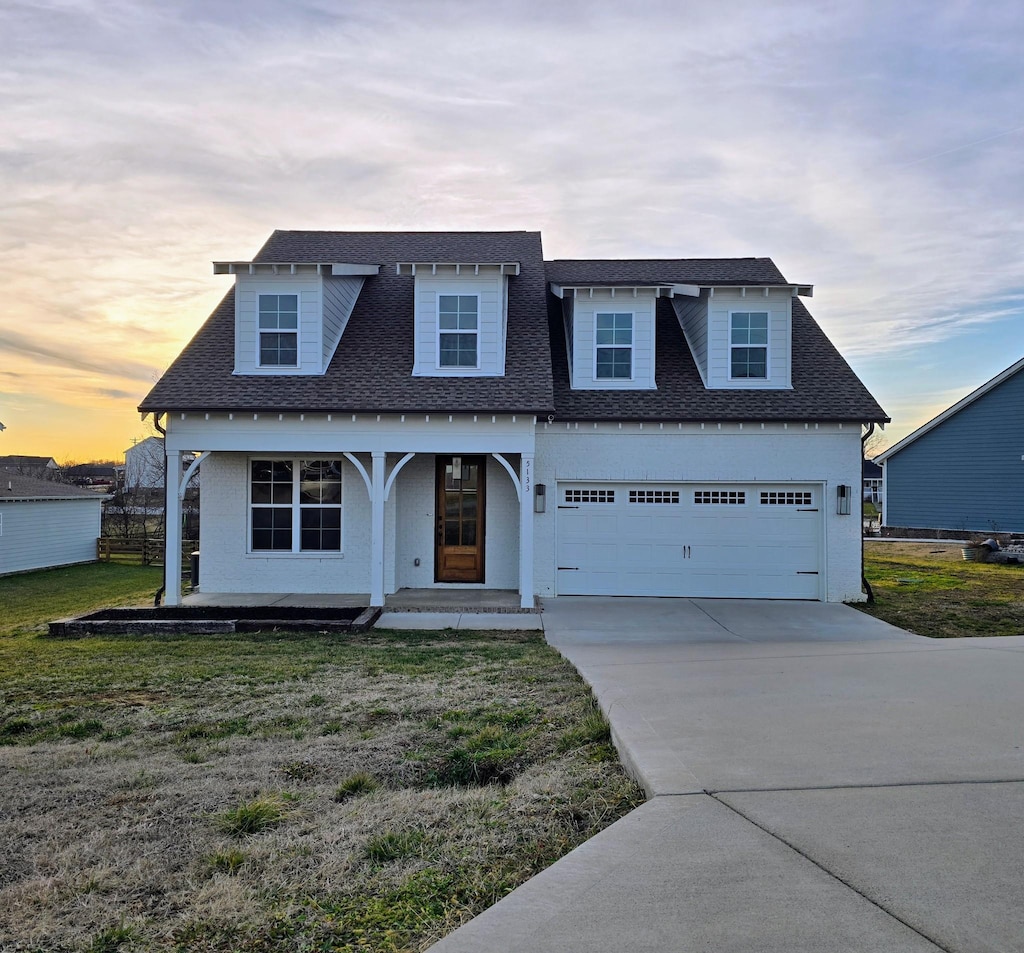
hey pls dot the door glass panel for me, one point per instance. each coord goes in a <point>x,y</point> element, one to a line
<point>451,505</point>
<point>469,532</point>
<point>469,477</point>
<point>451,533</point>
<point>469,505</point>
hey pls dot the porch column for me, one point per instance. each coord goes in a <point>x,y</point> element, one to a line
<point>526,532</point>
<point>377,529</point>
<point>172,529</point>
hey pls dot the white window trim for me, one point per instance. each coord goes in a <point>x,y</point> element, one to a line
<point>620,347</point>
<point>455,369</point>
<point>298,334</point>
<point>295,506</point>
<point>767,346</point>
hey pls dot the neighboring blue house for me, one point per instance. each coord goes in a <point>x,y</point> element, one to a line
<point>964,470</point>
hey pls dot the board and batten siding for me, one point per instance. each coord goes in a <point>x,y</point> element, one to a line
<point>311,344</point>
<point>490,289</point>
<point>586,307</point>
<point>967,473</point>
<point>340,296</point>
<point>38,534</point>
<point>692,314</point>
<point>779,305</point>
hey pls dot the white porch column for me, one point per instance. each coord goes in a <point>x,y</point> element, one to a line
<point>526,532</point>
<point>377,529</point>
<point>172,530</point>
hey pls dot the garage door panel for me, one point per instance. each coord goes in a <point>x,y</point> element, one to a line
<point>700,540</point>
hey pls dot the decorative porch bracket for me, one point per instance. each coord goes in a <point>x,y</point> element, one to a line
<point>192,467</point>
<point>512,473</point>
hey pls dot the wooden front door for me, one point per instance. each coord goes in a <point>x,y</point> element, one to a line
<point>460,519</point>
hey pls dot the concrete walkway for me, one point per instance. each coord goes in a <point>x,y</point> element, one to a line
<point>819,781</point>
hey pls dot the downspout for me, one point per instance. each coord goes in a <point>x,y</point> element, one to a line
<point>863,576</point>
<point>156,423</point>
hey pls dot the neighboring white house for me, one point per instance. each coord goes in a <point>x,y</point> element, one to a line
<point>44,524</point>
<point>144,465</point>
<point>378,411</point>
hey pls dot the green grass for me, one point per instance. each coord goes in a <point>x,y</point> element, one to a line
<point>36,598</point>
<point>139,774</point>
<point>928,589</point>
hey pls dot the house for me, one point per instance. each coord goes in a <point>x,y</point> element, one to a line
<point>144,465</point>
<point>100,475</point>
<point>41,468</point>
<point>375,411</point>
<point>872,474</point>
<point>963,471</point>
<point>44,523</point>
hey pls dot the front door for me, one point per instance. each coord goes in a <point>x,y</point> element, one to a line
<point>460,519</point>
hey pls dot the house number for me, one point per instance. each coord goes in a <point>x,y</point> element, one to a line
<point>527,476</point>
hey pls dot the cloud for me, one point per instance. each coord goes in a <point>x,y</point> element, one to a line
<point>871,150</point>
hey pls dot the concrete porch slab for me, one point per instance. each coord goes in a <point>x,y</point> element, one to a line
<point>461,621</point>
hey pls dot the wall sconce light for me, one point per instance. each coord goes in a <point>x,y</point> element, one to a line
<point>843,494</point>
<point>540,496</point>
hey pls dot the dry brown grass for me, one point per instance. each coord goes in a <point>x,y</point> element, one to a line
<point>113,836</point>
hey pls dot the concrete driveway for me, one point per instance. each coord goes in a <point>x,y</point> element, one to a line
<point>819,781</point>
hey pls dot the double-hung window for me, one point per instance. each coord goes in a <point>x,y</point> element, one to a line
<point>748,345</point>
<point>295,506</point>
<point>279,330</point>
<point>613,336</point>
<point>458,323</point>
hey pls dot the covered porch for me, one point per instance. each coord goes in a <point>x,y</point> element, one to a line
<point>397,550</point>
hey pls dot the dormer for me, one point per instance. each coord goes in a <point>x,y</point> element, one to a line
<point>290,316</point>
<point>741,336</point>
<point>610,333</point>
<point>460,317</point>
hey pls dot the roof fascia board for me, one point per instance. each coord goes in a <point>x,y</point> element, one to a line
<point>659,289</point>
<point>412,267</point>
<point>291,268</point>
<point>950,411</point>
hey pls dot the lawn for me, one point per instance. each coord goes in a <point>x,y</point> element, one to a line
<point>928,589</point>
<point>278,792</point>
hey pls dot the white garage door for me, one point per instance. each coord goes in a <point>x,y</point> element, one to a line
<point>715,540</point>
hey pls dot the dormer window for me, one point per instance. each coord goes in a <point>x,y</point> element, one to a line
<point>279,330</point>
<point>614,346</point>
<point>458,327</point>
<point>748,345</point>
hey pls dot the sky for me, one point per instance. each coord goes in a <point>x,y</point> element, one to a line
<point>873,150</point>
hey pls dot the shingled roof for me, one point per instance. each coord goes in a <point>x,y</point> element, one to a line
<point>695,271</point>
<point>372,368</point>
<point>15,487</point>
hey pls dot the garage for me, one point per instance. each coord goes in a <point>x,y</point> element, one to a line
<point>714,540</point>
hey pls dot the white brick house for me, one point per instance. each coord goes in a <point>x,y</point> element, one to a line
<point>378,411</point>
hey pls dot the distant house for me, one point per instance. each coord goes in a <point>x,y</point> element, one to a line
<point>44,523</point>
<point>42,468</point>
<point>92,474</point>
<point>872,474</point>
<point>144,465</point>
<point>963,470</point>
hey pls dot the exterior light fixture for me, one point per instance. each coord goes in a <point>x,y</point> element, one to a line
<point>540,496</point>
<point>843,494</point>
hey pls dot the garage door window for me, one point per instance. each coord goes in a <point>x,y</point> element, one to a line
<point>589,496</point>
<point>653,496</point>
<point>785,498</point>
<point>720,497</point>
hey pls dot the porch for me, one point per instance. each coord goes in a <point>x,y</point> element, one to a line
<point>406,609</point>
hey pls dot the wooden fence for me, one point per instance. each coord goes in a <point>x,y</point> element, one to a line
<point>147,552</point>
